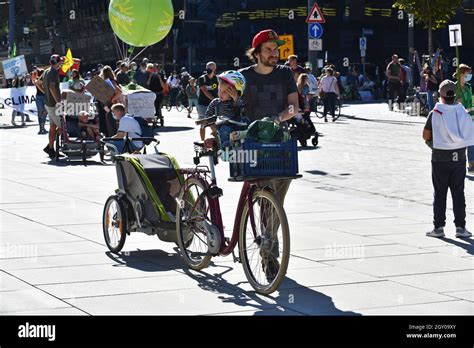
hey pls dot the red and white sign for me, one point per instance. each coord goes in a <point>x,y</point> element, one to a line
<point>315,15</point>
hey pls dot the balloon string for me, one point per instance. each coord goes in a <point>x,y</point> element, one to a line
<point>139,53</point>
<point>117,46</point>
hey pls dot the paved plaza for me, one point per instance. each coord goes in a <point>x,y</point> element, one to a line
<point>357,219</point>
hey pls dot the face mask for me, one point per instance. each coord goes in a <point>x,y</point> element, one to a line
<point>134,68</point>
<point>468,77</point>
<point>209,71</point>
<point>143,70</point>
<point>115,117</point>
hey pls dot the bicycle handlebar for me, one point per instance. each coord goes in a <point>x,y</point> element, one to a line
<point>219,121</point>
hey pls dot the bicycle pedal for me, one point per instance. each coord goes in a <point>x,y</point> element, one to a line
<point>236,259</point>
<point>215,192</point>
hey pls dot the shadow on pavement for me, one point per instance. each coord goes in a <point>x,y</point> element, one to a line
<point>166,129</point>
<point>292,296</point>
<point>66,163</point>
<point>406,123</point>
<point>469,246</point>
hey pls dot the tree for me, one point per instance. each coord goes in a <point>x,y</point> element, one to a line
<point>433,14</point>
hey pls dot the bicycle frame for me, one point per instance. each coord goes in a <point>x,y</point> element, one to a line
<point>246,194</point>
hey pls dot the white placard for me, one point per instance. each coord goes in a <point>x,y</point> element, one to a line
<point>14,66</point>
<point>23,99</point>
<point>141,104</point>
<point>315,44</point>
<point>455,35</point>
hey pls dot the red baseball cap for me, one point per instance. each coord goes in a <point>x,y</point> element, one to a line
<point>266,36</point>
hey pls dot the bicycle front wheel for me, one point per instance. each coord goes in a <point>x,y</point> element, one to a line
<point>192,219</point>
<point>338,109</point>
<point>264,242</point>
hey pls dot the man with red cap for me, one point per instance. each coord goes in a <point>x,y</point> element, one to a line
<point>270,93</point>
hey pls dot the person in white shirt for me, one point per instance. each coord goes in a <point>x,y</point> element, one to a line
<point>128,126</point>
<point>174,83</point>
<point>329,92</point>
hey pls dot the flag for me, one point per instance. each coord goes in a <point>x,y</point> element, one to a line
<point>68,61</point>
<point>12,51</point>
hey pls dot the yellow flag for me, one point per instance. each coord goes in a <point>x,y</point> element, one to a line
<point>68,61</point>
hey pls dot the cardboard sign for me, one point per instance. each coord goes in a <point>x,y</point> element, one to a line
<point>100,89</point>
<point>77,102</point>
<point>141,104</point>
<point>14,66</point>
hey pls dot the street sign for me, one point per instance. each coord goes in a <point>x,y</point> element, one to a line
<point>362,53</point>
<point>287,49</point>
<point>315,44</point>
<point>363,43</point>
<point>315,30</point>
<point>315,15</point>
<point>367,32</point>
<point>455,35</point>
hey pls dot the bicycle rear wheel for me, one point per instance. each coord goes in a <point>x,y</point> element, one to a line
<point>319,108</point>
<point>338,109</point>
<point>264,242</point>
<point>192,217</point>
<point>179,107</point>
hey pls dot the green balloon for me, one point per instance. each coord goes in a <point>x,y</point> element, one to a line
<point>141,23</point>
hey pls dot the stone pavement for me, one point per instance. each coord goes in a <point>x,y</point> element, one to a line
<point>357,220</point>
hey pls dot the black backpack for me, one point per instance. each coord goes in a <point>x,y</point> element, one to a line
<point>147,131</point>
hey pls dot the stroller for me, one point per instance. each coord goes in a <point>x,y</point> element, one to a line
<point>145,200</point>
<point>69,141</point>
<point>302,129</point>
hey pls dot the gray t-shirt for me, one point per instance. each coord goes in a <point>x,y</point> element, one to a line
<point>51,75</point>
<point>267,95</point>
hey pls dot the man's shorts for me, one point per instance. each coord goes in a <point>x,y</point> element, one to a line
<point>192,102</point>
<point>53,117</point>
<point>201,109</point>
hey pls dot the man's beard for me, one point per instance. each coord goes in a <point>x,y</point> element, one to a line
<point>267,63</point>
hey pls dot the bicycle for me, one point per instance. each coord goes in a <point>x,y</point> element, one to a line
<point>317,106</point>
<point>260,227</point>
<point>180,102</point>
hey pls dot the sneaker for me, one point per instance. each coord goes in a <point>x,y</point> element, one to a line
<point>49,151</point>
<point>13,123</point>
<point>325,120</point>
<point>271,266</point>
<point>29,120</point>
<point>436,232</point>
<point>23,124</point>
<point>462,233</point>
<point>333,119</point>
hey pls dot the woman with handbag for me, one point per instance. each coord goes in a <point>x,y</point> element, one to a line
<point>329,92</point>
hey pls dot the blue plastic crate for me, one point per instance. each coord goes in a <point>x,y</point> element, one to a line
<point>264,159</point>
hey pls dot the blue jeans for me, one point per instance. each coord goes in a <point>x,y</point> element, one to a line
<point>41,110</point>
<point>119,144</point>
<point>431,103</point>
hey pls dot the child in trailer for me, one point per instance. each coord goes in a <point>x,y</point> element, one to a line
<point>89,128</point>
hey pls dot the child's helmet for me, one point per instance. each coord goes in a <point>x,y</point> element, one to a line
<point>235,79</point>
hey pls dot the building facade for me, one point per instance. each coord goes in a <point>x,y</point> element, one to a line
<point>221,30</point>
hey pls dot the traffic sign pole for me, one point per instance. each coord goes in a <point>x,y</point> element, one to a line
<point>312,55</point>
